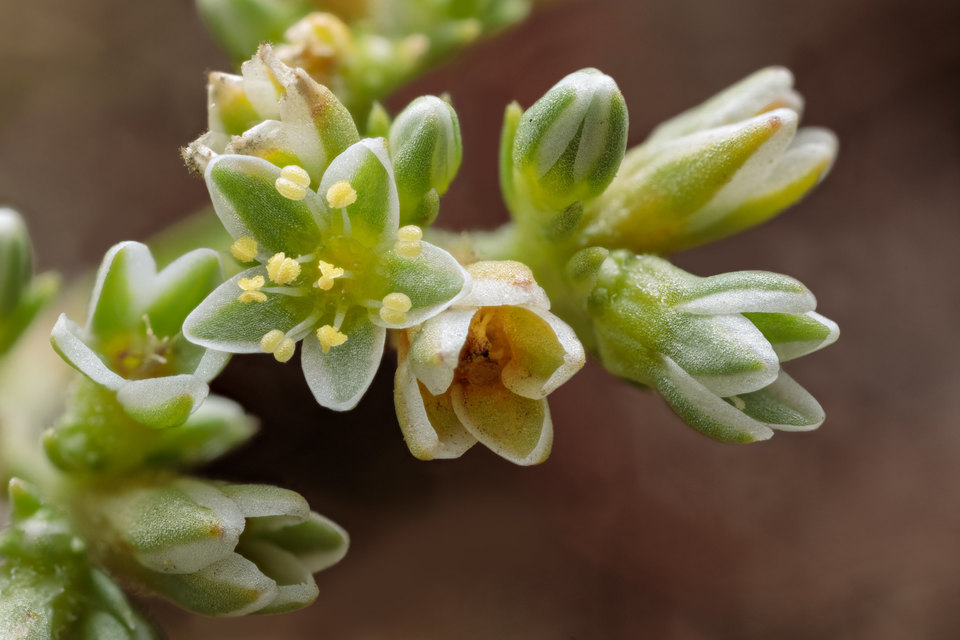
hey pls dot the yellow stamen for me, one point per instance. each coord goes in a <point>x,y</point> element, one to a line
<point>277,343</point>
<point>290,189</point>
<point>252,296</point>
<point>251,292</point>
<point>738,402</point>
<point>271,340</point>
<point>285,351</point>
<point>244,249</point>
<point>282,269</point>
<point>328,273</point>
<point>296,174</point>
<point>330,337</point>
<point>395,307</point>
<point>410,233</point>
<point>408,241</point>
<point>341,194</point>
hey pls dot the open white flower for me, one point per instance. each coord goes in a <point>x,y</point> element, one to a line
<point>481,370</point>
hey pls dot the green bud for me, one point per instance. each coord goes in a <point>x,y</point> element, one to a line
<point>711,346</point>
<point>732,163</point>
<point>214,548</point>
<point>569,144</point>
<point>48,589</point>
<point>426,150</point>
<point>16,260</point>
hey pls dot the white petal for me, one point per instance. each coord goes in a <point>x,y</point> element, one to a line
<point>574,356</point>
<point>339,378</point>
<point>516,428</point>
<point>435,348</point>
<point>503,282</point>
<point>422,438</point>
<point>68,341</point>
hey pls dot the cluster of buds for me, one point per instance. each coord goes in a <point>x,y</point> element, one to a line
<point>729,164</point>
<point>22,294</point>
<point>49,587</point>
<point>214,548</point>
<point>711,346</point>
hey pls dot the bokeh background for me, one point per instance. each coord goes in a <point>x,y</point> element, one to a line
<point>637,526</point>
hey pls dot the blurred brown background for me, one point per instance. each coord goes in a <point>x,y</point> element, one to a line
<point>637,526</point>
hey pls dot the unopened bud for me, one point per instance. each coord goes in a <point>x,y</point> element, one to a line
<point>569,144</point>
<point>426,150</point>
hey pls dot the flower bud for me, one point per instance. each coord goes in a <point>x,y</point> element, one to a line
<point>569,144</point>
<point>214,548</point>
<point>16,260</point>
<point>732,163</point>
<point>711,346</point>
<point>426,150</point>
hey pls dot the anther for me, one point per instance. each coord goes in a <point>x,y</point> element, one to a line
<point>283,270</point>
<point>330,337</point>
<point>293,182</point>
<point>408,241</point>
<point>277,343</point>
<point>251,289</point>
<point>328,273</point>
<point>341,194</point>
<point>244,249</point>
<point>395,307</point>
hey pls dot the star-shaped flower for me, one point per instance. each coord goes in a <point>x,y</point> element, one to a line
<point>481,371</point>
<point>334,268</point>
<point>132,343</point>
